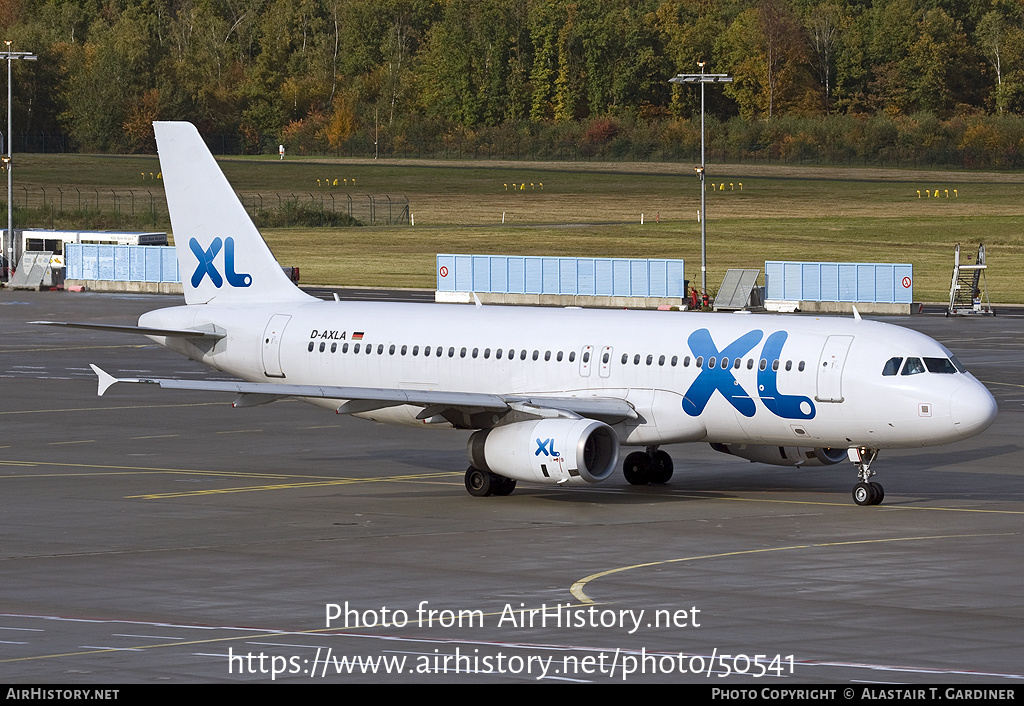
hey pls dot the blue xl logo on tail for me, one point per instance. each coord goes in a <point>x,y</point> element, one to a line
<point>206,266</point>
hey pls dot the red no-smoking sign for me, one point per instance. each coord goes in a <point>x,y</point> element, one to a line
<point>906,283</point>
<point>444,273</point>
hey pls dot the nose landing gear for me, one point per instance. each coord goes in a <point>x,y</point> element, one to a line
<point>866,492</point>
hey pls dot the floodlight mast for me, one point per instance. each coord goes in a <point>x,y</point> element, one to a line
<point>702,78</point>
<point>9,244</point>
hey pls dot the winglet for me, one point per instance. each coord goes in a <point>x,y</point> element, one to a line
<point>106,379</point>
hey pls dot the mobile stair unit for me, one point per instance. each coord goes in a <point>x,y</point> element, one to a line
<point>968,292</point>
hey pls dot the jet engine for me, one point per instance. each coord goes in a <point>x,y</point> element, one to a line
<point>783,455</point>
<point>562,451</point>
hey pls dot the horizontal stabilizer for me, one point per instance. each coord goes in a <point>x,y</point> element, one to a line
<point>367,398</point>
<point>141,330</point>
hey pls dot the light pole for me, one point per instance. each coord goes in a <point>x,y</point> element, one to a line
<point>702,78</point>
<point>9,245</point>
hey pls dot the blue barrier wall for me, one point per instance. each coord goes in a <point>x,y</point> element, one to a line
<point>881,283</point>
<point>587,276</point>
<point>121,263</point>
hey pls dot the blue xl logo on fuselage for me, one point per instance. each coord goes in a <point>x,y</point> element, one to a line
<point>716,374</point>
<point>206,266</point>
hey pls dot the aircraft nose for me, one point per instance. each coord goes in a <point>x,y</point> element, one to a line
<point>973,409</point>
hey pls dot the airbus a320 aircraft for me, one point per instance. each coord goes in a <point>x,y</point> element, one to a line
<point>552,393</point>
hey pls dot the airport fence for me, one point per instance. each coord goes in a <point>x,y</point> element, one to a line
<point>121,263</point>
<point>888,283</point>
<point>586,276</point>
<point>94,208</point>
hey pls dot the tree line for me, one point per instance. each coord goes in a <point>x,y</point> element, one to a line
<point>833,79</point>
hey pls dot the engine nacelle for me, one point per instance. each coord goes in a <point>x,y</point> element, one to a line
<point>563,451</point>
<point>783,455</point>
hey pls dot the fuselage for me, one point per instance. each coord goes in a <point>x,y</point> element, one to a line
<point>721,378</point>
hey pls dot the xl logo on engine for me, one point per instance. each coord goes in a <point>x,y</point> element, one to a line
<point>716,375</point>
<point>547,446</point>
<point>206,266</point>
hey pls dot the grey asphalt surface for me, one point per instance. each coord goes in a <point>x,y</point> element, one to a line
<point>155,536</point>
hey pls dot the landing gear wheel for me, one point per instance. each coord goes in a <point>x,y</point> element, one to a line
<point>661,467</point>
<point>502,485</point>
<point>879,492</point>
<point>864,494</point>
<point>479,483</point>
<point>637,468</point>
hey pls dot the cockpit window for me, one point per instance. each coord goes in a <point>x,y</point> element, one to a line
<point>940,365</point>
<point>892,366</point>
<point>958,364</point>
<point>913,366</point>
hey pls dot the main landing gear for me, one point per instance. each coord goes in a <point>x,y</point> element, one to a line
<point>651,466</point>
<point>481,483</point>
<point>866,492</point>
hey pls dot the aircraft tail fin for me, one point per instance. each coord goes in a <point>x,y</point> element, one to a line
<point>221,256</point>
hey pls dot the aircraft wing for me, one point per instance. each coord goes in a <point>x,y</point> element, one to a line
<point>364,399</point>
<point>143,330</point>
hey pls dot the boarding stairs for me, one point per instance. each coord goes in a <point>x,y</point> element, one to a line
<point>968,291</point>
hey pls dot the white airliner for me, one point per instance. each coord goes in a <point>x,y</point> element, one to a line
<point>553,393</point>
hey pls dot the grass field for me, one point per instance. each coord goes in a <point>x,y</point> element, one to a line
<point>594,209</point>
